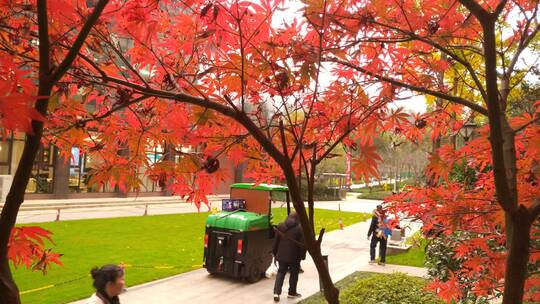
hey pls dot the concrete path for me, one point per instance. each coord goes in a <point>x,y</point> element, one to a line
<point>119,210</point>
<point>348,252</point>
<point>122,207</point>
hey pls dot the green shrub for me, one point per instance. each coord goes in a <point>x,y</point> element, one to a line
<point>380,188</point>
<point>320,193</point>
<point>381,195</point>
<point>395,288</point>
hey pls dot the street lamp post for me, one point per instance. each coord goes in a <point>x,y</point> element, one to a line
<point>467,130</point>
<point>393,146</point>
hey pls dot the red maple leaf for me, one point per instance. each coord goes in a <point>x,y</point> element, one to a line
<point>366,164</point>
<point>26,248</point>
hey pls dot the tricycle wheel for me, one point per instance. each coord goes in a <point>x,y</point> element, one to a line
<point>254,274</point>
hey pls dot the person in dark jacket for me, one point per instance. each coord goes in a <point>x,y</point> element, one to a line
<point>288,250</point>
<point>377,233</point>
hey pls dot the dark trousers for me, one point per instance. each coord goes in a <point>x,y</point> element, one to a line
<point>382,248</point>
<point>284,267</point>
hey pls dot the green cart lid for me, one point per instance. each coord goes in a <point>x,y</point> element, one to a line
<point>263,187</point>
<point>238,221</point>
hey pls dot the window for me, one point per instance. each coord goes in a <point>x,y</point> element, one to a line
<point>152,183</point>
<point>76,167</point>
<point>6,148</point>
<point>41,179</point>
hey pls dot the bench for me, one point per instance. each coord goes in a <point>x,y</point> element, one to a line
<point>396,243</point>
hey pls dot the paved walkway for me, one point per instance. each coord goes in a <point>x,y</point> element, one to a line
<point>118,210</point>
<point>348,252</point>
<point>122,207</point>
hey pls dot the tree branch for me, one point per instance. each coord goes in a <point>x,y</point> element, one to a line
<point>411,87</point>
<point>79,41</point>
<point>524,42</point>
<point>104,115</point>
<point>444,50</point>
<point>239,116</point>
<point>283,138</point>
<point>317,79</point>
<point>500,7</point>
<point>537,119</point>
<point>44,44</point>
<point>347,132</point>
<point>476,9</point>
<point>118,52</point>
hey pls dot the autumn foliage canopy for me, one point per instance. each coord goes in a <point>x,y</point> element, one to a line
<point>183,74</point>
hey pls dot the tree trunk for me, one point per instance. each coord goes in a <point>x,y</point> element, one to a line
<point>331,293</point>
<point>60,175</point>
<point>15,197</point>
<point>311,209</point>
<point>8,289</point>
<point>518,225</point>
<point>509,152</point>
<point>503,156</point>
<point>311,197</point>
<point>9,293</point>
<point>517,259</point>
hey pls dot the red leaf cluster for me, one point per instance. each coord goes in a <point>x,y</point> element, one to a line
<point>26,248</point>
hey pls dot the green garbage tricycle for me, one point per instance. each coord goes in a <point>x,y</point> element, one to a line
<point>238,240</point>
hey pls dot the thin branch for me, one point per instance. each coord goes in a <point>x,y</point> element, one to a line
<point>283,138</point>
<point>242,57</point>
<point>104,115</point>
<point>441,48</point>
<point>537,119</point>
<point>44,44</point>
<point>240,117</point>
<point>94,65</point>
<point>118,52</point>
<point>317,78</point>
<point>347,132</point>
<point>523,43</point>
<point>419,89</point>
<point>79,41</point>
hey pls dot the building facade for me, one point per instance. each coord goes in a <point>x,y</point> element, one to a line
<point>56,178</point>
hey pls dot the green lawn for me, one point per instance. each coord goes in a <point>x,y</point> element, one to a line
<point>416,256</point>
<point>152,247</point>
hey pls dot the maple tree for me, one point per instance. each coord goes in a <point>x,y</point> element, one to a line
<point>203,79</point>
<point>26,60</point>
<point>207,79</point>
<point>463,211</point>
<point>413,46</point>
